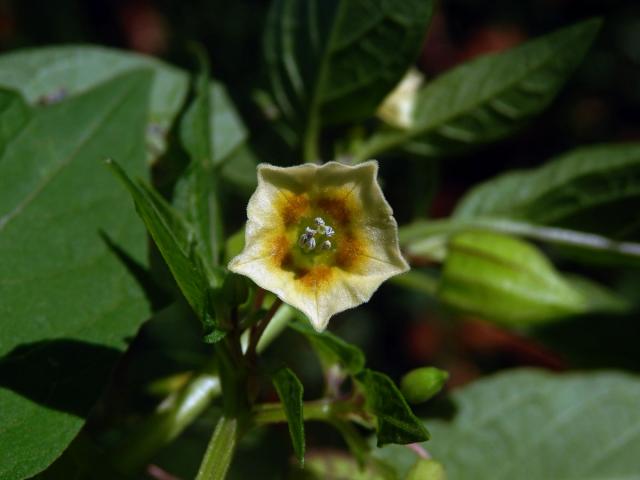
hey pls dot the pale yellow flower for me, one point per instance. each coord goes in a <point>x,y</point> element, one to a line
<point>397,108</point>
<point>322,238</point>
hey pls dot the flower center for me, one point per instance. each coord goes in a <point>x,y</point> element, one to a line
<point>316,236</point>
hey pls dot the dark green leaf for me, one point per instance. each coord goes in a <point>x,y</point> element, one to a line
<point>505,279</point>
<point>290,392</point>
<point>14,113</point>
<point>593,188</point>
<point>488,98</point>
<point>67,241</point>
<point>396,423</point>
<point>540,426</point>
<point>332,349</point>
<point>46,75</point>
<point>337,59</point>
<point>176,242</point>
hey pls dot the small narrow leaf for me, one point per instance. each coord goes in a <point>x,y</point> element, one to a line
<point>488,98</point>
<point>196,190</point>
<point>290,392</point>
<point>176,243</point>
<point>505,279</point>
<point>332,349</point>
<point>396,423</point>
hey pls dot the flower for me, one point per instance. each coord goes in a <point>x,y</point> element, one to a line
<point>322,238</point>
<point>397,108</point>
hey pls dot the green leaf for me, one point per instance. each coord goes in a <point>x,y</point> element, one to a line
<point>332,349</point>
<point>599,298</point>
<point>336,60</point>
<point>44,75</point>
<point>594,188</point>
<point>196,190</point>
<point>14,113</point>
<point>290,393</point>
<point>504,279</point>
<point>176,242</point>
<point>396,423</point>
<point>488,98</point>
<point>539,426</point>
<point>67,240</point>
<point>420,384</point>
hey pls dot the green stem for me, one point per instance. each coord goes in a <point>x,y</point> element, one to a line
<point>356,443</point>
<point>181,408</point>
<point>175,413</point>
<point>378,144</point>
<point>417,232</point>
<point>277,324</point>
<point>233,377</point>
<point>310,152</point>
<point>258,329</point>
<point>220,449</point>
<point>323,410</point>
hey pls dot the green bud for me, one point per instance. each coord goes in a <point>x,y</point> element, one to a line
<point>426,470</point>
<point>505,279</point>
<point>421,384</point>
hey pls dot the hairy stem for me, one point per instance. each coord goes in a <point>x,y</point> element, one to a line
<point>220,449</point>
<point>174,414</point>
<point>421,231</point>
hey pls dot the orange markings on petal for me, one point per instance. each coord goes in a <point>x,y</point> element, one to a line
<point>336,208</point>
<point>349,253</point>
<point>293,209</point>
<point>279,249</point>
<point>315,277</point>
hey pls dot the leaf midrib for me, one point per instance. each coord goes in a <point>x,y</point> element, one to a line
<point>84,140</point>
<point>394,138</point>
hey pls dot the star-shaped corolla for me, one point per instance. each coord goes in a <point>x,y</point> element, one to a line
<point>322,238</point>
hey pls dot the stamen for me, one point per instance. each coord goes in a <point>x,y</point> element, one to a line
<point>308,241</point>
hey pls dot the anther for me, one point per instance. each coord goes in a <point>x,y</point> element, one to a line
<point>319,221</point>
<point>329,231</point>
<point>326,245</point>
<point>307,241</point>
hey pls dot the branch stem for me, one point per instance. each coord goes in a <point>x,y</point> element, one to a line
<point>220,449</point>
